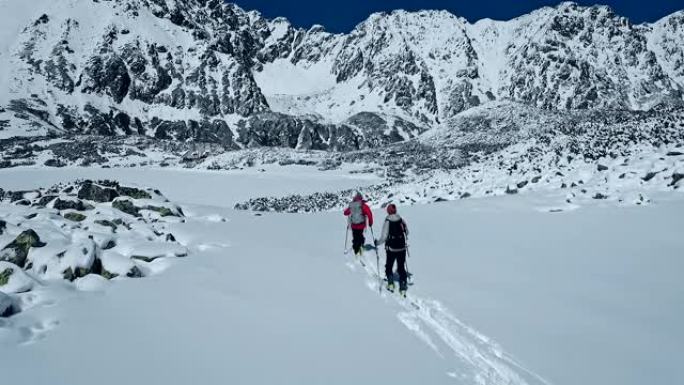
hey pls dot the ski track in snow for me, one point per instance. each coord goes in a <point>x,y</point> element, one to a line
<point>482,361</point>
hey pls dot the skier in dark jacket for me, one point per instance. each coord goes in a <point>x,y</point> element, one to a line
<point>359,214</point>
<point>395,236</point>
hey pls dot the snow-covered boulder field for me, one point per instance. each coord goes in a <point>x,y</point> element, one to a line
<point>493,152</point>
<point>81,234</point>
<point>624,180</point>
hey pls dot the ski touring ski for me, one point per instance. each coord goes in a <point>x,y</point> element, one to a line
<point>408,300</point>
<point>403,297</point>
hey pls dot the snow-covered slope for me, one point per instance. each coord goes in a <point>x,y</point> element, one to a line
<point>507,293</point>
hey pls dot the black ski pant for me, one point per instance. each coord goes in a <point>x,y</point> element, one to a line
<point>400,258</point>
<point>358,240</point>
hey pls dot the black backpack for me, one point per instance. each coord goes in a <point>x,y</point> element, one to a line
<point>396,239</point>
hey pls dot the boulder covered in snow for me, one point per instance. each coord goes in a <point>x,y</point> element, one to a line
<point>91,282</point>
<point>78,260</point>
<point>90,232</point>
<point>70,204</point>
<point>105,241</point>
<point>13,279</point>
<point>17,251</point>
<point>75,217</point>
<point>116,265</point>
<point>96,193</point>
<point>127,207</point>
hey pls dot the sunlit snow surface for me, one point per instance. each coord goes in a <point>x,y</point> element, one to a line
<point>505,293</point>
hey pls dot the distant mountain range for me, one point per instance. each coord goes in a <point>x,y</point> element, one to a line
<point>205,70</point>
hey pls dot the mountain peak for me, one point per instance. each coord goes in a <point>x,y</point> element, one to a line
<point>571,6</point>
<point>413,16</point>
<point>674,18</point>
<point>317,28</point>
<point>568,5</point>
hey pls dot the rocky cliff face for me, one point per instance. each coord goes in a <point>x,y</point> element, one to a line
<point>583,58</point>
<point>433,65</point>
<point>122,67</point>
<point>204,70</point>
<point>665,40</point>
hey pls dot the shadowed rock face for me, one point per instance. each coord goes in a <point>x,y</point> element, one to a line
<point>361,131</point>
<point>210,73</point>
<point>108,76</point>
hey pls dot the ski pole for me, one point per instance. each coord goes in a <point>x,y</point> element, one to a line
<point>346,238</point>
<point>408,274</point>
<point>377,262</point>
<point>408,255</point>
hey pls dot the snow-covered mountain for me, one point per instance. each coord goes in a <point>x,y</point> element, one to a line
<point>205,70</point>
<point>434,65</point>
<point>505,145</point>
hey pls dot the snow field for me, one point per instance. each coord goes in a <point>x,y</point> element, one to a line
<point>506,291</point>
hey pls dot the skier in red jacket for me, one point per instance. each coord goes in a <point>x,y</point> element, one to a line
<point>359,214</point>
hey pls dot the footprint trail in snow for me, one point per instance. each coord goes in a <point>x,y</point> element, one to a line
<point>481,360</point>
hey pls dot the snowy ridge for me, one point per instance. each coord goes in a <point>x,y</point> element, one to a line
<point>431,65</point>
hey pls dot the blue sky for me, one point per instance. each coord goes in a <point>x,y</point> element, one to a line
<point>342,16</point>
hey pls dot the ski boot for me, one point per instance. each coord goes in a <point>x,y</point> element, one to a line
<point>390,287</point>
<point>402,288</point>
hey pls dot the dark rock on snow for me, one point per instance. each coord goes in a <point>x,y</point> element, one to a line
<point>17,251</point>
<point>92,192</point>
